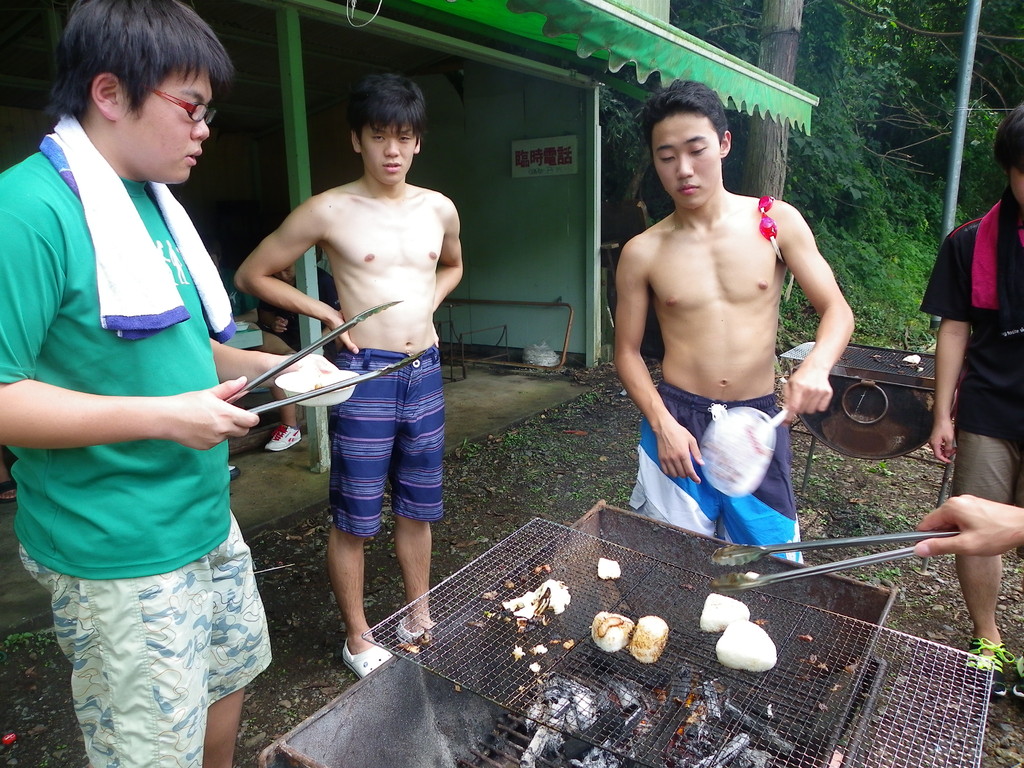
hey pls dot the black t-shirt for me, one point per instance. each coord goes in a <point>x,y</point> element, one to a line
<point>328,295</point>
<point>991,397</point>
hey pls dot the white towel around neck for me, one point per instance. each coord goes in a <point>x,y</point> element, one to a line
<point>138,296</point>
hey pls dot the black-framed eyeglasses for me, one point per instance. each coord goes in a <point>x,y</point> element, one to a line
<point>196,112</point>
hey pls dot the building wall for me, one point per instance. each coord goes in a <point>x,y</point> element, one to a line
<point>523,239</point>
<point>21,130</point>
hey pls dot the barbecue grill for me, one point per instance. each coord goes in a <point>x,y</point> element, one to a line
<point>845,690</point>
<point>881,403</point>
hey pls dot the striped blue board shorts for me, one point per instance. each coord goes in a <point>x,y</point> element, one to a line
<point>392,428</point>
<point>767,516</point>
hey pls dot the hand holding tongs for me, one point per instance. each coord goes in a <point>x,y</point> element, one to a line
<point>338,384</point>
<point>739,554</point>
<point>323,340</point>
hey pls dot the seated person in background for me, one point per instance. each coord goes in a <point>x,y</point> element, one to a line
<point>281,337</point>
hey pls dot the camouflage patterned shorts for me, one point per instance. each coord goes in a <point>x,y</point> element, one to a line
<point>149,655</point>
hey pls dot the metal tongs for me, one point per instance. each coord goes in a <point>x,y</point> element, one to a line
<point>323,340</point>
<point>740,554</point>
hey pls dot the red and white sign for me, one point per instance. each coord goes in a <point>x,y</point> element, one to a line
<point>555,156</point>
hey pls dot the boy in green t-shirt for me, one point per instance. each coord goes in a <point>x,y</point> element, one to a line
<point>114,390</point>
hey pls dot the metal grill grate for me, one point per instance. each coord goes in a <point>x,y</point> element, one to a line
<point>887,365</point>
<point>830,667</point>
<point>876,363</point>
<point>931,707</point>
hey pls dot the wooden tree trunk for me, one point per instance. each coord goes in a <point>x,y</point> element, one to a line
<point>764,169</point>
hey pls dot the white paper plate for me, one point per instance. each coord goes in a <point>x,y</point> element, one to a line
<point>296,382</point>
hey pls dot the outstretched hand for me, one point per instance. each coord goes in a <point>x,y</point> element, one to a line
<point>986,528</point>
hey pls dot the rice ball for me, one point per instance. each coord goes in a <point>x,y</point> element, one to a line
<point>608,569</point>
<point>721,611</point>
<point>744,645</point>
<point>611,631</point>
<point>649,639</point>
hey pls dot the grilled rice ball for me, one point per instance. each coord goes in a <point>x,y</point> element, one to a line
<point>611,631</point>
<point>649,639</point>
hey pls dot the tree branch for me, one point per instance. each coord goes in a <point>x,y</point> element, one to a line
<point>923,32</point>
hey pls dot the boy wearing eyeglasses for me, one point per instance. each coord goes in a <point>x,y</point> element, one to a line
<point>714,276</point>
<point>386,240</point>
<point>114,389</point>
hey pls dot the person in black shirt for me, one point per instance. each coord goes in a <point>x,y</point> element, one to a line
<point>977,288</point>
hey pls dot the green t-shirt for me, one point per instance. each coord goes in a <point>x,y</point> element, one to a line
<point>109,511</point>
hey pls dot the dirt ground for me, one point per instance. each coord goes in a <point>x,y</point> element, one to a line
<point>555,466</point>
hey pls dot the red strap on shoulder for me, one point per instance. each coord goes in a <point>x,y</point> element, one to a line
<point>769,230</point>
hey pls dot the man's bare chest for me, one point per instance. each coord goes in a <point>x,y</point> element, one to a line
<point>742,274</point>
<point>389,241</point>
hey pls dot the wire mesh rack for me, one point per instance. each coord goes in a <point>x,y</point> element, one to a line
<point>842,689</point>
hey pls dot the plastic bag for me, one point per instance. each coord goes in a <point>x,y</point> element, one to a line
<point>737,447</point>
<point>540,354</point>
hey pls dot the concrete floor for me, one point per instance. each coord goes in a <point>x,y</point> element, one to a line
<point>275,488</point>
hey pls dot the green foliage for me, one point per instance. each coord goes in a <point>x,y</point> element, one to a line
<point>467,449</point>
<point>27,641</point>
<point>624,155</point>
<point>872,177</point>
<point>731,26</point>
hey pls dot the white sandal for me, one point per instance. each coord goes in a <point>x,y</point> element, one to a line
<point>364,663</point>
<point>406,635</point>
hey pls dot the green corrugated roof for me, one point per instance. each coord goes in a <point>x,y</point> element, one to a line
<point>617,35</point>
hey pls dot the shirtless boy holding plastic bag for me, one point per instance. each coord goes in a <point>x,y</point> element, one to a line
<point>715,281</point>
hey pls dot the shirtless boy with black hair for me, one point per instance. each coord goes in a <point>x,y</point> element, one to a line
<point>386,240</point>
<point>715,283</point>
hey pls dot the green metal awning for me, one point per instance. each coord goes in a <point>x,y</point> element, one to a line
<point>617,35</point>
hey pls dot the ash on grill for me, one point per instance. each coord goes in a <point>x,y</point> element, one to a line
<point>715,732</point>
<point>708,735</point>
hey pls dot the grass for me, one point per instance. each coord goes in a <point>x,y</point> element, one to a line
<point>29,641</point>
<point>467,450</point>
<point>515,439</point>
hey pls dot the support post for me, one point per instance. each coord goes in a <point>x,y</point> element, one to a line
<point>296,140</point>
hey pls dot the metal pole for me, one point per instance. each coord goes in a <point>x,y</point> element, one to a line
<point>956,148</point>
